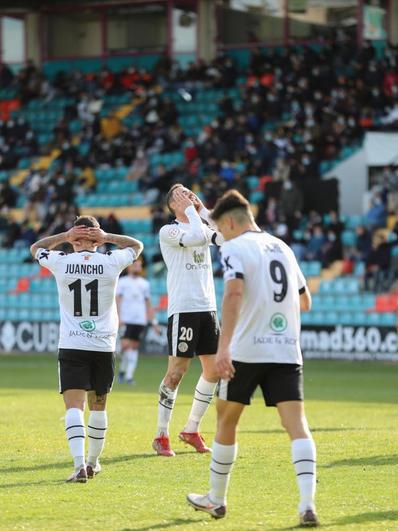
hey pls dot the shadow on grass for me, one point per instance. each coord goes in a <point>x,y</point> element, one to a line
<point>65,464</point>
<point>364,518</point>
<point>43,483</point>
<point>313,430</point>
<point>164,525</point>
<point>375,460</point>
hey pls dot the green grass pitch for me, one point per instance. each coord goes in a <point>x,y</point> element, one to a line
<point>352,409</point>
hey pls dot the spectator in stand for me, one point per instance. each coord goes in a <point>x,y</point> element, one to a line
<point>140,166</point>
<point>376,217</point>
<point>332,249</point>
<point>315,244</point>
<point>377,275</point>
<point>8,195</point>
<point>363,244</point>
<point>6,76</point>
<point>291,201</point>
<point>159,218</point>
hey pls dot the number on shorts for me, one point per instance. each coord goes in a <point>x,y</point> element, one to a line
<point>186,334</point>
<point>279,276</point>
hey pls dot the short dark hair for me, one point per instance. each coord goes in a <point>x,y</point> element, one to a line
<point>231,200</point>
<point>169,196</point>
<point>87,221</point>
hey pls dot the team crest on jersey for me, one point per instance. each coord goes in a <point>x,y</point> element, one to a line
<point>174,232</point>
<point>87,257</point>
<point>87,326</point>
<point>278,322</point>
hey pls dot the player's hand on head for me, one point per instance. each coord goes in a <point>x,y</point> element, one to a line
<point>182,199</point>
<point>224,364</point>
<point>197,203</point>
<point>97,236</point>
<point>78,233</point>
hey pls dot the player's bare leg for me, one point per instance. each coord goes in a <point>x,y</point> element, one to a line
<point>96,430</point>
<point>168,389</point>
<point>225,449</point>
<point>74,400</point>
<point>204,392</point>
<point>294,421</point>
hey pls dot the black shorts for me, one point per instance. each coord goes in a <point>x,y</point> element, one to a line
<point>279,382</point>
<point>86,369</point>
<point>133,332</point>
<point>193,333</point>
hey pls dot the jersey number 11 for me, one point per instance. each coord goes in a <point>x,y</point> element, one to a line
<point>92,287</point>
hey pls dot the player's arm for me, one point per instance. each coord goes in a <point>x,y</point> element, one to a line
<point>118,306</point>
<point>231,305</point>
<point>50,242</point>
<point>305,299</point>
<point>193,236</point>
<point>100,237</point>
<point>211,229</point>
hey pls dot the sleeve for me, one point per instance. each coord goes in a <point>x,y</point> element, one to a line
<point>232,262</point>
<point>215,237</point>
<point>301,282</point>
<point>49,259</point>
<point>176,236</point>
<point>121,258</point>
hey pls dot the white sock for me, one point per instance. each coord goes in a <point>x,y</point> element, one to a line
<point>304,460</point>
<point>222,460</point>
<point>132,359</point>
<point>203,394</point>
<point>76,434</point>
<point>123,363</point>
<point>165,408</point>
<point>96,430</point>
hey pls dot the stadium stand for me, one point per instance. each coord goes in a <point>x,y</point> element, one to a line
<point>106,140</point>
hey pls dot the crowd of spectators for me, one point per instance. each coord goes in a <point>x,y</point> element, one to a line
<point>296,109</point>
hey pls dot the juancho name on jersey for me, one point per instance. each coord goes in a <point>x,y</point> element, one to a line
<point>84,269</point>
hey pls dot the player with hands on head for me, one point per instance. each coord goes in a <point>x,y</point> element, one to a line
<point>193,327</point>
<point>86,283</point>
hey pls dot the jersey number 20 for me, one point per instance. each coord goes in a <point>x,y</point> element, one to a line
<point>92,287</point>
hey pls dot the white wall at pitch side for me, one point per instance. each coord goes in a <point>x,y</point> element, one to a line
<point>352,175</point>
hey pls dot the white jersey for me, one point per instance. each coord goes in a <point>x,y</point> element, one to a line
<point>185,250</point>
<point>134,292</point>
<point>268,327</point>
<point>86,284</point>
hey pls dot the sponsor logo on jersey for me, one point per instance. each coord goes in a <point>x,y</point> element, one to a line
<point>182,347</point>
<point>278,322</point>
<point>87,326</point>
<point>198,258</point>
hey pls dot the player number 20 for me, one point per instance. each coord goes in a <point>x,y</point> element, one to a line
<point>186,334</point>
